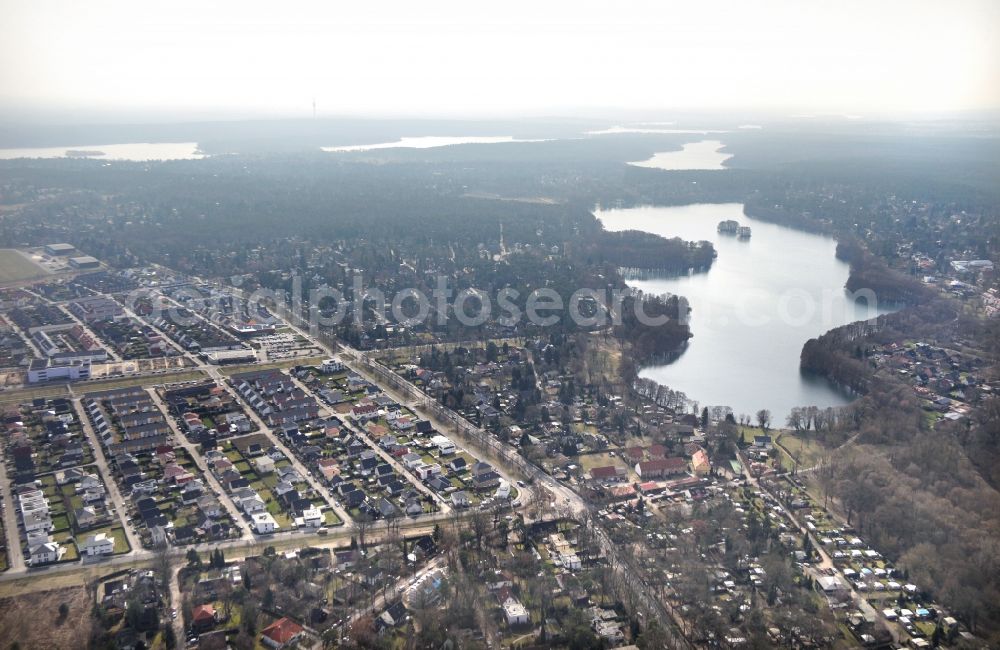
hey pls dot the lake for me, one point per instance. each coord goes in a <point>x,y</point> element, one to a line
<point>694,155</point>
<point>428,142</point>
<point>139,151</point>
<point>751,312</point>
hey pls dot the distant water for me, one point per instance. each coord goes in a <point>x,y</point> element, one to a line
<point>752,311</point>
<point>428,142</point>
<point>140,151</point>
<point>649,127</point>
<point>695,155</point>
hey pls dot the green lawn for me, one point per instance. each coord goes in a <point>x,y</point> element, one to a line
<point>590,461</point>
<point>802,447</point>
<point>116,532</point>
<point>15,267</point>
<point>71,553</point>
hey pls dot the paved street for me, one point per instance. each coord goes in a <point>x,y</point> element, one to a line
<point>192,449</point>
<point>15,556</point>
<point>117,501</point>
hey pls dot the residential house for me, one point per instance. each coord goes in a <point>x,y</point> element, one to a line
<point>514,612</point>
<point>700,463</point>
<point>281,634</point>
<point>253,504</point>
<point>203,617</point>
<point>608,473</point>
<point>44,553</point>
<point>210,506</point>
<point>661,467</point>
<point>99,544</point>
<point>264,464</point>
<point>329,467</point>
<point>395,615</point>
<point>264,523</point>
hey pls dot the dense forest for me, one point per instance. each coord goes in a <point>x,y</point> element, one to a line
<point>641,250</point>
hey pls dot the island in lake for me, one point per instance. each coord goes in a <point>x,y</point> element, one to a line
<point>83,153</point>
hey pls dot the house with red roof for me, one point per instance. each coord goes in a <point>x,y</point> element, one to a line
<point>700,463</point>
<point>621,492</point>
<point>635,453</point>
<point>608,473</point>
<point>281,633</point>
<point>660,467</point>
<point>651,487</point>
<point>203,617</point>
<point>657,451</point>
<point>329,467</point>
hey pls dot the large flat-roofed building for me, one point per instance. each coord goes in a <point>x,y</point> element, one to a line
<point>84,262</point>
<point>96,309</point>
<point>60,250</point>
<point>47,370</point>
<point>222,357</point>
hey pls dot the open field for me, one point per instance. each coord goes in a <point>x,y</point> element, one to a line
<point>801,447</point>
<point>33,620</point>
<point>14,267</point>
<point>80,387</point>
<point>590,461</point>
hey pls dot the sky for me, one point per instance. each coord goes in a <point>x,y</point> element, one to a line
<point>475,58</point>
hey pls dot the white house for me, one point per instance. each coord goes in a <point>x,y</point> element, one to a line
<point>444,445</point>
<point>44,553</point>
<point>312,517</point>
<point>264,464</point>
<point>252,505</point>
<point>209,506</point>
<point>569,560</point>
<point>425,472</point>
<point>88,482</point>
<point>264,523</point>
<point>99,544</point>
<point>331,366</point>
<point>412,460</point>
<point>37,520</point>
<point>515,612</point>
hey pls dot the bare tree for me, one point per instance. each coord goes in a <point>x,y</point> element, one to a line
<point>764,418</point>
<point>480,526</point>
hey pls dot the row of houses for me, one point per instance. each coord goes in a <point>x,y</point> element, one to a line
<point>127,420</point>
<point>275,397</point>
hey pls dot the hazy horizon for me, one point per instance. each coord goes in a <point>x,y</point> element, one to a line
<point>105,61</point>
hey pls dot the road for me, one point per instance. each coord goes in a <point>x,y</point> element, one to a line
<point>826,562</point>
<point>199,462</point>
<point>361,434</point>
<point>480,443</point>
<point>642,595</point>
<point>336,538</point>
<point>15,556</point>
<point>175,603</point>
<point>323,492</point>
<point>106,474</point>
<point>485,444</point>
